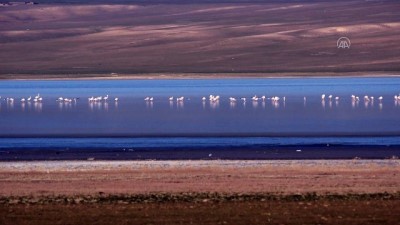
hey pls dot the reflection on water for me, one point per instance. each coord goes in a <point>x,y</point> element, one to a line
<point>282,109</point>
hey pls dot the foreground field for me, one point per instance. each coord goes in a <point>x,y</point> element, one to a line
<point>200,192</point>
<point>233,39</point>
<point>373,211</point>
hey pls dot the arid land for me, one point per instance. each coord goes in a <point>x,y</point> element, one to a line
<point>246,39</point>
<point>200,192</point>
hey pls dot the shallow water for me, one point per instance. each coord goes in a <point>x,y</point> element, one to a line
<point>303,119</point>
<point>301,114</point>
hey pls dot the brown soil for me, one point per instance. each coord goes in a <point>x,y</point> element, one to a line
<point>250,212</point>
<point>134,177</point>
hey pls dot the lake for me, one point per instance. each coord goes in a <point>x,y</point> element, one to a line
<point>299,118</point>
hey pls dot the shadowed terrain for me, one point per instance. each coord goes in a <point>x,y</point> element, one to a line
<point>255,37</point>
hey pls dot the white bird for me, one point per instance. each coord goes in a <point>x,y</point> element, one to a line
<point>147,98</point>
<point>180,99</point>
<point>30,98</point>
<point>37,96</point>
<point>255,98</point>
<point>323,96</point>
<point>116,99</point>
<point>395,97</point>
<point>22,99</point>
<point>275,98</point>
<point>105,98</point>
<point>231,99</point>
<point>151,99</point>
<point>337,98</point>
<point>366,98</point>
<point>263,97</point>
<point>171,98</point>
<point>243,99</point>
<point>284,98</point>
<point>40,99</point>
<point>60,99</point>
<point>203,99</point>
<point>330,97</point>
<point>380,98</point>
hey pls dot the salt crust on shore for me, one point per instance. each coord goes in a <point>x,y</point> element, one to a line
<point>48,166</point>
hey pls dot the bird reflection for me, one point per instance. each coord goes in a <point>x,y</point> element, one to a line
<point>180,104</point>
<point>214,104</point>
<point>255,104</point>
<point>38,107</point>
<point>149,104</point>
<point>232,105</point>
<point>275,104</point>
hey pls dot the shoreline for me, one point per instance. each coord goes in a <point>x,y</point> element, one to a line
<point>183,76</point>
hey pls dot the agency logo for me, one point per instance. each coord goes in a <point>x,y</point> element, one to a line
<point>343,42</point>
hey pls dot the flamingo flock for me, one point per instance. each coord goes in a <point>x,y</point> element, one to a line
<point>215,99</point>
<point>101,99</point>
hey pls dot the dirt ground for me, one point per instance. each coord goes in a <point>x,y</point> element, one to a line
<point>253,212</point>
<point>133,177</point>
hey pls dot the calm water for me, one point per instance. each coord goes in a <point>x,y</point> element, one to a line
<point>301,119</point>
